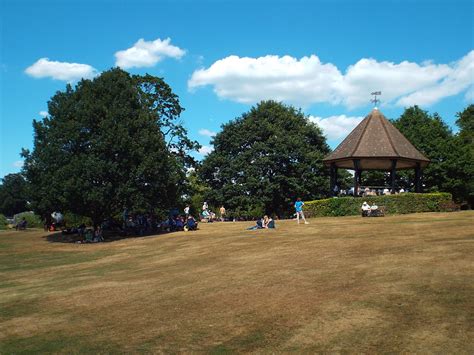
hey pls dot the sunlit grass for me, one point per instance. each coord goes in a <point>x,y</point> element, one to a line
<point>392,284</point>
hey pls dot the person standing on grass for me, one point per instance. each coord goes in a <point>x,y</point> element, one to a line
<point>299,211</point>
<point>222,212</point>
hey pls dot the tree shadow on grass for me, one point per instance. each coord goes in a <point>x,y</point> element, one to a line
<point>109,237</point>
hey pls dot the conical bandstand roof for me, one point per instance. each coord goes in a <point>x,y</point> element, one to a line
<point>375,142</point>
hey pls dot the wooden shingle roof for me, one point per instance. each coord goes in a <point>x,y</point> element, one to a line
<point>376,142</point>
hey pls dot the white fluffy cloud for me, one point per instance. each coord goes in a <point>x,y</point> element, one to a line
<point>44,113</point>
<point>44,68</point>
<point>281,78</point>
<point>336,127</point>
<point>307,80</point>
<point>459,78</point>
<point>206,132</point>
<point>147,53</point>
<point>205,149</point>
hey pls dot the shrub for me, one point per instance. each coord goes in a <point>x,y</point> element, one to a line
<point>250,213</point>
<point>3,222</point>
<point>394,204</point>
<point>74,220</point>
<point>33,220</point>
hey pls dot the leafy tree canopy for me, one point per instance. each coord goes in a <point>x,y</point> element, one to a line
<point>464,154</point>
<point>13,194</point>
<point>265,159</point>
<point>197,192</point>
<point>111,142</point>
<point>449,167</point>
<point>465,122</point>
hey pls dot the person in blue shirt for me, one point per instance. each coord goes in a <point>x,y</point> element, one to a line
<point>299,211</point>
<point>191,224</point>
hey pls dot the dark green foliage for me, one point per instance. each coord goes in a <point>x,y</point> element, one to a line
<point>33,220</point>
<point>432,137</point>
<point>465,123</point>
<point>252,212</point>
<point>3,222</point>
<point>464,154</point>
<point>13,194</point>
<point>375,178</point>
<point>108,143</point>
<point>266,158</point>
<point>197,191</point>
<point>74,220</point>
<point>451,167</point>
<point>394,204</point>
<point>344,179</point>
<point>158,99</point>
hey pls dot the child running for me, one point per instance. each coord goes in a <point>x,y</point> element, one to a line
<point>299,211</point>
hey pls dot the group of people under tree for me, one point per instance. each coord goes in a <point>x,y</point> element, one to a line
<point>142,224</point>
<point>147,223</point>
<point>208,215</point>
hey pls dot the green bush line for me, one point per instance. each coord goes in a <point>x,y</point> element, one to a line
<point>394,204</point>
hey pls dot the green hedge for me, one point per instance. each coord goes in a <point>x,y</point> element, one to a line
<point>394,204</point>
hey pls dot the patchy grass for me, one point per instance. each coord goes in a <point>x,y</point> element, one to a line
<point>392,284</point>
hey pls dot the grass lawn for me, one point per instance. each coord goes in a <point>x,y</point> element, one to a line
<point>349,284</point>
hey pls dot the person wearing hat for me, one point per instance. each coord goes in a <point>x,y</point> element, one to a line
<point>365,209</point>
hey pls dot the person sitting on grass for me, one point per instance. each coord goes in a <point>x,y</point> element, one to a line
<point>179,223</point>
<point>206,215</point>
<point>365,209</point>
<point>98,235</point>
<point>89,235</point>
<point>191,224</point>
<point>268,222</point>
<point>21,225</point>
<point>264,223</point>
<point>374,210</point>
<point>259,225</point>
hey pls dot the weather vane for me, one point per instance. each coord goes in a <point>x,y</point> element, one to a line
<point>375,100</point>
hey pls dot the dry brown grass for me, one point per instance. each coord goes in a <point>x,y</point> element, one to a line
<point>392,284</point>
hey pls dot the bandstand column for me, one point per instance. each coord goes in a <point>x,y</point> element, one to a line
<point>393,175</point>
<point>332,178</point>
<point>418,177</point>
<point>356,176</point>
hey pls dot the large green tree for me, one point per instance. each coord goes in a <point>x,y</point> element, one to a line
<point>449,154</point>
<point>465,122</point>
<point>265,159</point>
<point>110,142</point>
<point>464,155</point>
<point>13,194</point>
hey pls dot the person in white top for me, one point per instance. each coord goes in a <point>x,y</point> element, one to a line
<point>365,209</point>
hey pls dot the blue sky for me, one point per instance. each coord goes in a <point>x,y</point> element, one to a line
<point>222,57</point>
